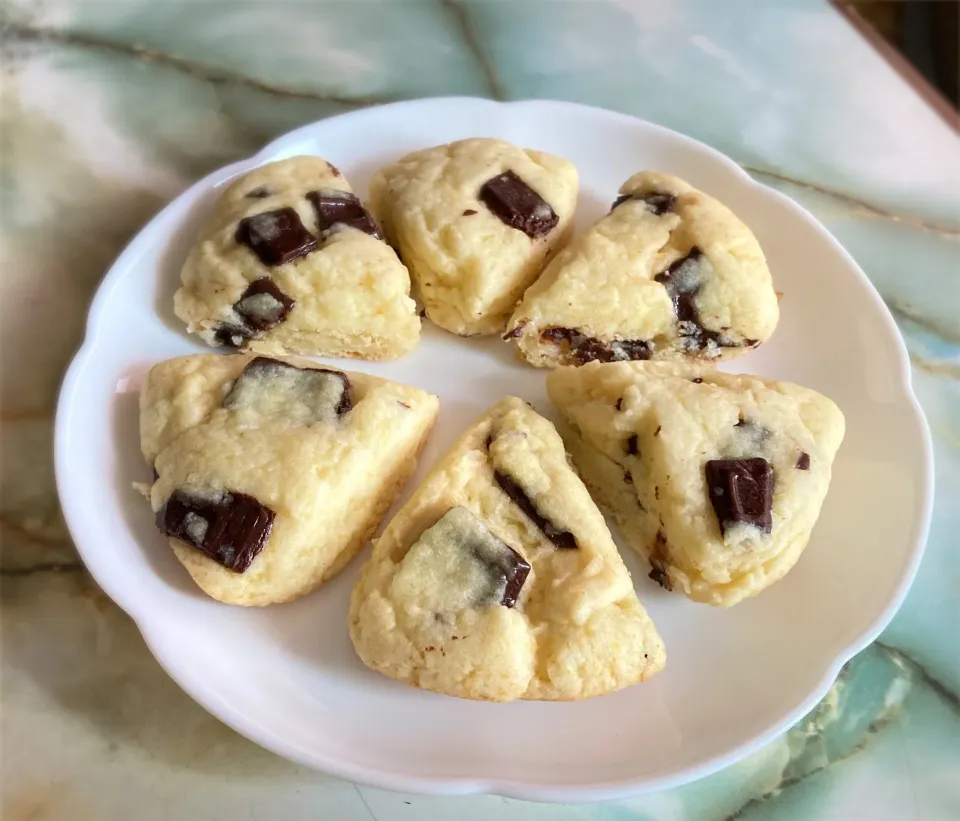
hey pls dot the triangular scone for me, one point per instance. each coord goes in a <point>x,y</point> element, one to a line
<point>669,273</point>
<point>291,262</point>
<point>499,580</point>
<point>475,221</point>
<point>271,475</point>
<point>716,478</point>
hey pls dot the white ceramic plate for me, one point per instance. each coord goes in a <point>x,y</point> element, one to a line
<point>286,676</point>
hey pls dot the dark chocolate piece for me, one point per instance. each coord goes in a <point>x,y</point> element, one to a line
<point>342,208</point>
<point>231,529</point>
<point>518,205</point>
<point>263,305</point>
<point>585,349</point>
<point>311,383</point>
<point>618,404</point>
<point>697,380</point>
<point>741,491</point>
<point>561,538</point>
<point>515,571</point>
<point>276,237</point>
<point>658,562</point>
<point>631,446</point>
<point>258,193</point>
<point>682,280</point>
<point>628,477</point>
<point>514,333</point>
<point>803,461</point>
<point>658,202</point>
<point>469,212</point>
<point>232,336</point>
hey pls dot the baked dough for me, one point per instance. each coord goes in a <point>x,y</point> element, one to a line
<point>716,478</point>
<point>446,604</point>
<point>237,440</point>
<point>470,253</point>
<point>669,273</point>
<point>289,262</point>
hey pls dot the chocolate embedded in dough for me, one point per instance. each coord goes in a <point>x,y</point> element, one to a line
<point>336,207</point>
<point>518,205</point>
<point>304,394</point>
<point>276,237</point>
<point>230,528</point>
<point>232,336</point>
<point>585,348</point>
<point>741,491</point>
<point>263,305</point>
<point>561,538</point>
<point>803,461</point>
<point>658,202</point>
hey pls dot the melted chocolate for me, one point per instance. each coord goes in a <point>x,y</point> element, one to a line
<point>311,384</point>
<point>585,349</point>
<point>658,202</point>
<point>263,305</point>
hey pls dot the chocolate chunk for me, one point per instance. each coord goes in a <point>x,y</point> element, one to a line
<point>263,305</point>
<point>310,394</point>
<point>515,332</point>
<point>631,446</point>
<point>682,280</point>
<point>741,491</point>
<point>232,336</point>
<point>469,212</point>
<point>561,538</point>
<point>230,528</point>
<point>518,205</point>
<point>259,193</point>
<point>515,571</point>
<point>658,202</point>
<point>342,208</point>
<point>803,461</point>
<point>461,564</point>
<point>628,477</point>
<point>585,349</point>
<point>658,561</point>
<point>618,404</point>
<point>276,237</point>
<point>697,380</point>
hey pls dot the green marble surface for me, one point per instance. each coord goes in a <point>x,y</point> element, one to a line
<point>111,108</point>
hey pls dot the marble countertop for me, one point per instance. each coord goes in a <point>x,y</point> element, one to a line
<point>111,108</point>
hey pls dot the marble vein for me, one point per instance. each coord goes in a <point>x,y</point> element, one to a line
<point>46,567</point>
<point>948,696</point>
<point>212,74</point>
<point>456,8</point>
<point>860,205</point>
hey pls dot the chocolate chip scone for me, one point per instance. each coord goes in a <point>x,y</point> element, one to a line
<point>716,478</point>
<point>499,580</point>
<point>669,273</point>
<point>271,474</point>
<point>475,221</point>
<point>291,262</point>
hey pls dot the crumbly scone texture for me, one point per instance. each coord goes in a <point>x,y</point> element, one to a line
<point>468,267</point>
<point>641,434</point>
<point>602,289</point>
<point>351,294</point>
<point>328,482</point>
<point>577,629</point>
